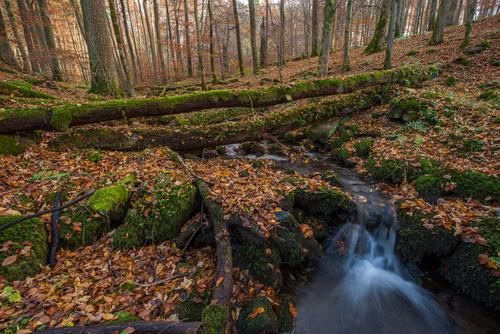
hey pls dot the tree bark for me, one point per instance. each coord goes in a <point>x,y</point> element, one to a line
<point>238,37</point>
<point>159,42</point>
<point>469,17</point>
<point>432,15</point>
<point>346,63</point>
<point>314,28</point>
<point>103,68</point>
<point>28,35</point>
<point>152,45</point>
<point>196,138</point>
<point>187,38</point>
<point>438,31</point>
<point>199,47</point>
<point>6,51</point>
<point>264,32</point>
<point>211,36</point>
<point>50,40</point>
<point>377,42</point>
<point>17,36</point>
<point>326,41</point>
<point>62,117</point>
<point>390,34</point>
<point>281,56</point>
<point>253,36</point>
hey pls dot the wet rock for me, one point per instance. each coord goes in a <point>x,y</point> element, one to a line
<point>321,133</point>
<point>262,261</point>
<point>252,147</point>
<point>192,305</point>
<point>286,315</point>
<point>210,154</point>
<point>429,187</point>
<point>257,317</point>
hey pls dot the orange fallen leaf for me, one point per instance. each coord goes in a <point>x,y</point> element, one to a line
<point>219,281</point>
<point>292,309</point>
<point>256,312</point>
<point>9,260</point>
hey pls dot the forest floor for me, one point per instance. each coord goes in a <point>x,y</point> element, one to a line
<point>95,284</point>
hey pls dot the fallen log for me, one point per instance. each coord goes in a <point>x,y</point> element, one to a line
<point>60,118</point>
<point>195,138</point>
<point>140,327</point>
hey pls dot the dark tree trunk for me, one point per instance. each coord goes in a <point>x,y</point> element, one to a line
<point>17,36</point>
<point>28,35</point>
<point>432,15</point>
<point>470,11</point>
<point>438,31</point>
<point>238,37</point>
<point>377,42</point>
<point>6,51</point>
<point>346,63</point>
<point>390,34</point>
<point>253,36</point>
<point>326,40</point>
<point>211,36</point>
<point>199,47</point>
<point>264,32</point>
<point>159,41</point>
<point>314,28</point>
<point>50,40</point>
<point>187,38</point>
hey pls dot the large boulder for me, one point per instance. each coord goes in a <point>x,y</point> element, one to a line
<point>405,110</point>
<point>24,248</point>
<point>257,317</point>
<point>322,132</point>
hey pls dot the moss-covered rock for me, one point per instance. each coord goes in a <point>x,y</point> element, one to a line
<point>192,306</point>
<point>252,147</point>
<point>464,273</point>
<point>157,214</point>
<point>257,317</point>
<point>286,315</point>
<point>111,201</point>
<point>405,110</point>
<point>391,171</point>
<point>429,187</point>
<point>322,132</point>
<point>363,147</point>
<point>330,205</point>
<point>13,145</point>
<point>214,319</point>
<point>262,261</point>
<point>28,242</point>
<point>476,185</point>
<point>414,242</point>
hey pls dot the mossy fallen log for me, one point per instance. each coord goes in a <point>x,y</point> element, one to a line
<point>22,89</point>
<point>63,117</point>
<point>194,138</point>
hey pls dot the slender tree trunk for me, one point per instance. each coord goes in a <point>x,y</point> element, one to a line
<point>390,35</point>
<point>28,35</point>
<point>238,37</point>
<point>432,15</point>
<point>418,16</point>
<point>187,38</point>
<point>326,41</point>
<point>17,36</point>
<point>346,63</point>
<point>458,11</point>
<point>211,36</point>
<point>438,31</point>
<point>6,51</point>
<point>201,67</point>
<point>50,39</point>
<point>398,32</point>
<point>152,44</point>
<point>264,32</point>
<point>127,36</point>
<point>470,10</point>
<point>253,37</point>
<point>121,49</point>
<point>102,65</point>
<point>377,42</point>
<point>281,58</point>
<point>170,38</point>
<point>178,37</point>
<point>159,41</point>
<point>314,28</point>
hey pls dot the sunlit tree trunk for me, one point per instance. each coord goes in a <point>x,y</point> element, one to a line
<point>50,40</point>
<point>159,41</point>
<point>253,37</point>
<point>17,36</point>
<point>326,40</point>
<point>28,35</point>
<point>390,34</point>
<point>470,10</point>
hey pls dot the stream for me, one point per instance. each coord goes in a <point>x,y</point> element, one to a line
<point>359,285</point>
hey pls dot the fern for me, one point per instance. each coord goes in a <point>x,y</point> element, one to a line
<point>418,126</point>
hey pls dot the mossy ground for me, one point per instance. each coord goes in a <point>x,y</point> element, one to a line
<point>30,245</point>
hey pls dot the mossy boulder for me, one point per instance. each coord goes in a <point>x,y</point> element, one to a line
<point>322,132</point>
<point>391,171</point>
<point>330,205</point>
<point>28,242</point>
<point>252,147</point>
<point>214,319</point>
<point>363,147</point>
<point>465,274</point>
<point>13,145</point>
<point>257,317</point>
<point>286,315</point>
<point>157,214</point>
<point>111,201</point>
<point>429,187</point>
<point>405,110</point>
<point>262,261</point>
<point>476,185</point>
<point>415,243</point>
<point>192,306</point>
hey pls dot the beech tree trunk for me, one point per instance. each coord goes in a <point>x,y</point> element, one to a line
<point>346,63</point>
<point>211,36</point>
<point>438,31</point>
<point>238,37</point>
<point>201,67</point>
<point>253,37</point>
<point>17,36</point>
<point>432,15</point>
<point>470,11</point>
<point>377,42</point>
<point>390,34</point>
<point>326,41</point>
<point>6,51</point>
<point>264,32</point>
<point>187,38</point>
<point>281,56</point>
<point>314,28</point>
<point>50,40</point>
<point>104,76</point>
<point>159,42</point>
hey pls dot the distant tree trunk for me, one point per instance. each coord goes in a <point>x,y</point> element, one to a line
<point>458,11</point>
<point>470,10</point>
<point>306,25</point>
<point>314,28</point>
<point>432,15</point>
<point>127,36</point>
<point>121,48</point>
<point>170,38</point>
<point>103,68</point>
<point>451,12</point>
<point>399,19</point>
<point>264,28</point>
<point>6,51</point>
<point>188,39</point>
<point>326,40</point>
<point>377,42</point>
<point>238,37</point>
<point>211,36</point>
<point>418,17</point>
<point>390,35</point>
<point>253,37</point>
<point>17,36</point>
<point>225,51</point>
<point>152,45</point>
<point>28,35</point>
<point>438,31</point>
<point>281,58</point>
<point>201,67</point>
<point>50,40</point>
<point>346,64</point>
<point>178,39</point>
<point>161,57</point>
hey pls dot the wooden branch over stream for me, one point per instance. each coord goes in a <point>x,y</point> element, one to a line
<point>140,327</point>
<point>199,137</point>
<point>60,118</point>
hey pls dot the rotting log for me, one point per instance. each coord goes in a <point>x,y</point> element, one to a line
<point>195,138</point>
<point>140,327</point>
<point>62,117</point>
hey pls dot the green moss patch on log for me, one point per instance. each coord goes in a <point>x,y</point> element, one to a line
<point>41,119</point>
<point>207,117</point>
<point>21,88</point>
<point>253,321</point>
<point>28,241</point>
<point>157,214</point>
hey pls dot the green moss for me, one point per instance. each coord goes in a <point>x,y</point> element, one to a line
<point>95,156</point>
<point>489,95</point>
<point>463,61</point>
<point>451,81</point>
<point>330,177</point>
<point>406,110</point>
<point>472,145</point>
<point>476,185</point>
<point>157,215</point>
<point>363,147</point>
<point>252,322</point>
<point>252,147</point>
<point>61,119</point>
<point>192,307</point>
<point>123,317</point>
<point>33,232</point>
<point>10,145</point>
<point>286,319</point>
<point>429,187</point>
<point>108,199</point>
<point>391,171</point>
<point>343,154</point>
<point>415,243</point>
<point>264,266</point>
<point>214,319</point>
<point>21,88</point>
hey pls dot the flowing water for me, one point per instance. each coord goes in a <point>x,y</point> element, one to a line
<point>359,286</point>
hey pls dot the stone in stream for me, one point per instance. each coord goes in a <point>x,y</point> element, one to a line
<point>24,248</point>
<point>323,131</point>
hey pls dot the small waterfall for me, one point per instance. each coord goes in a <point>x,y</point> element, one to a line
<point>360,286</point>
